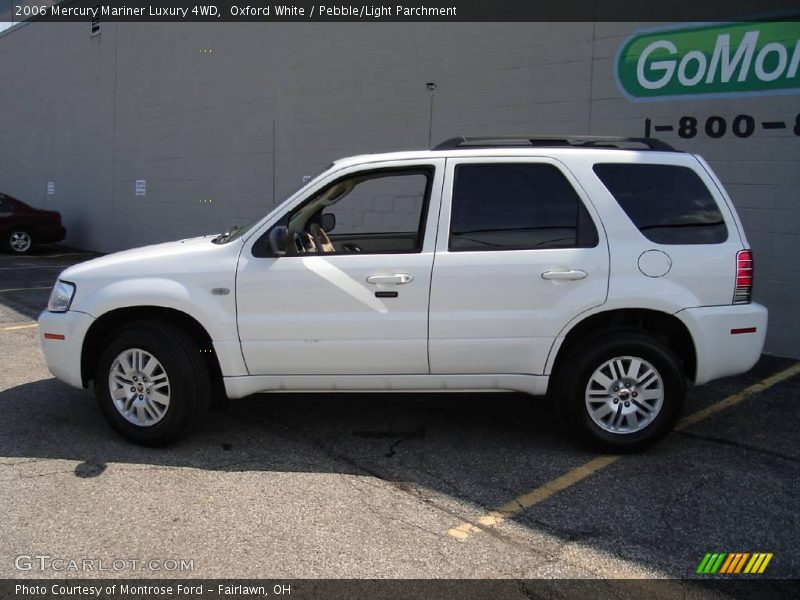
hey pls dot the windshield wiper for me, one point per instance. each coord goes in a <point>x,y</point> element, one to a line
<point>224,237</point>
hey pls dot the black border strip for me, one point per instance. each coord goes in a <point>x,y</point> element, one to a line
<point>430,10</point>
<point>396,589</point>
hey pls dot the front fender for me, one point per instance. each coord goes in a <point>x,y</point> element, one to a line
<point>215,313</point>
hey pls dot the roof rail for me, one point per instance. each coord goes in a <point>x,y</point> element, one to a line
<point>569,141</point>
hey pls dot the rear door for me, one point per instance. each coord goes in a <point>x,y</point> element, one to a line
<point>520,252</point>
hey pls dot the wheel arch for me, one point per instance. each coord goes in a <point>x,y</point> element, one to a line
<point>113,320</point>
<point>664,326</point>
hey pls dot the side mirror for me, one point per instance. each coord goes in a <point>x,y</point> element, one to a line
<point>279,240</point>
<point>328,222</point>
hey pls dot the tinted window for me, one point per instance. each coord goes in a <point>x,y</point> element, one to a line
<point>517,207</point>
<point>669,204</point>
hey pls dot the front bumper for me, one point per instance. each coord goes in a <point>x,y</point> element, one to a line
<point>63,356</point>
<point>728,339</point>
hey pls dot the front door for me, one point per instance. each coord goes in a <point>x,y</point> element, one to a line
<point>520,253</point>
<point>351,294</point>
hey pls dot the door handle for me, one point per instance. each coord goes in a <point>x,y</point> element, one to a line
<point>397,278</point>
<point>564,274</point>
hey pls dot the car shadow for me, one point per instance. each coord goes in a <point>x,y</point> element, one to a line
<point>482,449</point>
<point>22,305</point>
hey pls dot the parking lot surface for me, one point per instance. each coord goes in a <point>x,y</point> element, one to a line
<point>384,485</point>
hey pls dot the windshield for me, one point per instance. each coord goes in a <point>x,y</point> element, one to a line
<point>237,231</point>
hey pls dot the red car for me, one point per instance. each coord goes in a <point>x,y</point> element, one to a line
<point>22,226</point>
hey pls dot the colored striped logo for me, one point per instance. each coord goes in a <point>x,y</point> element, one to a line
<point>734,563</point>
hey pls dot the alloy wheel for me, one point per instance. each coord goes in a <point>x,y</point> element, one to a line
<point>20,241</point>
<point>624,395</point>
<point>139,387</point>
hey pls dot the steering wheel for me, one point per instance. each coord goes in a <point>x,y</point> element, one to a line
<point>321,239</point>
<point>303,243</point>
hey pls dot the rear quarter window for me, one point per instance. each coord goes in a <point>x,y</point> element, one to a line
<point>669,204</point>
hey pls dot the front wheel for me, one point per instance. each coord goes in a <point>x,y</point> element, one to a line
<point>152,383</point>
<point>622,391</point>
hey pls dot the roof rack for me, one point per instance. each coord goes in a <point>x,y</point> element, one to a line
<point>570,141</point>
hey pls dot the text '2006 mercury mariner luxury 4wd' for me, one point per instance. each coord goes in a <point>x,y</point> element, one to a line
<point>609,273</point>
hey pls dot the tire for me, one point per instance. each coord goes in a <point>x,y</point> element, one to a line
<point>18,241</point>
<point>140,413</point>
<point>643,413</point>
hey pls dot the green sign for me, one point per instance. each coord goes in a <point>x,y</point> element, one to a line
<point>731,58</point>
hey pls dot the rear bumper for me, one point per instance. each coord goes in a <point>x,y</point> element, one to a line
<point>728,339</point>
<point>51,235</point>
<point>63,356</point>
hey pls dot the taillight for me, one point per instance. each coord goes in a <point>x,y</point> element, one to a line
<point>744,277</point>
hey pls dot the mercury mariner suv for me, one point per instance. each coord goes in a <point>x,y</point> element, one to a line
<point>605,273</point>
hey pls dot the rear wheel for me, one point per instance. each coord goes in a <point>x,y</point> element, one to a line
<point>152,383</point>
<point>623,392</point>
<point>19,241</point>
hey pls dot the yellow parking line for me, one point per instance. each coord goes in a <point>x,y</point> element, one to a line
<point>736,398</point>
<point>27,268</point>
<point>64,254</point>
<point>496,517</point>
<point>15,327</point>
<point>45,287</point>
<point>540,494</point>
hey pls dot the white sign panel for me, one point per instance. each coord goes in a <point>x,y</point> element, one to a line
<point>141,187</point>
<point>51,188</point>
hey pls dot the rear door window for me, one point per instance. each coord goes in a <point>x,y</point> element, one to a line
<point>669,204</point>
<point>522,206</point>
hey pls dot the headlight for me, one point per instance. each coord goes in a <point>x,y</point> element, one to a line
<point>61,296</point>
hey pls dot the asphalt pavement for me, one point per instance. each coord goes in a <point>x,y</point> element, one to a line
<point>382,485</point>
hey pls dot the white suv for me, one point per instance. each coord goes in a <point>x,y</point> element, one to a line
<point>609,272</point>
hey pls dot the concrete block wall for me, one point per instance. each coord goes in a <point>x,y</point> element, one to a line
<point>197,110</point>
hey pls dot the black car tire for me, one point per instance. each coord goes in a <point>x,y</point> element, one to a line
<point>578,368</point>
<point>190,386</point>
